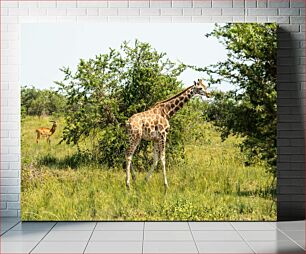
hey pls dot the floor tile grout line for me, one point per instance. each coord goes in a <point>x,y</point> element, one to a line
<point>127,230</point>
<point>291,230</point>
<point>10,228</point>
<point>244,240</point>
<point>233,227</point>
<point>290,238</point>
<point>273,225</point>
<point>42,238</point>
<point>137,241</point>
<point>90,237</point>
<point>143,232</point>
<point>193,238</point>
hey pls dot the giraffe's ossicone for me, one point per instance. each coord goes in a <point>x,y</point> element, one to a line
<point>153,125</point>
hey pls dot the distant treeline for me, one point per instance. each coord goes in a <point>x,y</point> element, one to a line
<point>41,102</point>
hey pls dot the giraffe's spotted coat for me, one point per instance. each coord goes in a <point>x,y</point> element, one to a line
<point>153,125</point>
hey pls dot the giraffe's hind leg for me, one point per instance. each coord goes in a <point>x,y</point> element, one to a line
<point>155,161</point>
<point>134,141</point>
<point>162,152</point>
<point>133,172</point>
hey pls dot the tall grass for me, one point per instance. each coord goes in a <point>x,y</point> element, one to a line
<point>212,184</point>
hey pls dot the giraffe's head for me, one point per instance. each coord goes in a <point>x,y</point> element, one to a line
<point>200,88</point>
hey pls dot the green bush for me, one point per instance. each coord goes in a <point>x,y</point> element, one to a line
<point>105,91</point>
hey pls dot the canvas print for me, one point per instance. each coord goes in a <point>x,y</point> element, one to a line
<point>148,122</point>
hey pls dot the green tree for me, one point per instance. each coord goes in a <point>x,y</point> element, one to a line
<point>105,91</point>
<point>249,110</point>
<point>28,94</point>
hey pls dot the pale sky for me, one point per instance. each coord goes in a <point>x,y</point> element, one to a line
<point>47,47</point>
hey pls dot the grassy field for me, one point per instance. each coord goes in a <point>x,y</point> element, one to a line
<point>212,184</point>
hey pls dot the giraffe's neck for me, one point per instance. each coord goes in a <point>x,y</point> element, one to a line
<point>172,105</point>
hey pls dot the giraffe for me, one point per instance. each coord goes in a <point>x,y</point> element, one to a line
<point>153,125</point>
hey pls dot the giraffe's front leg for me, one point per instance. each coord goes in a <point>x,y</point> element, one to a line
<point>128,167</point>
<point>155,161</point>
<point>162,151</point>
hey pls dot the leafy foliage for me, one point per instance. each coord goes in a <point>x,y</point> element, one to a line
<point>249,110</point>
<point>196,131</point>
<point>41,102</point>
<point>105,91</point>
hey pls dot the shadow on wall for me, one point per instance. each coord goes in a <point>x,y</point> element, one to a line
<point>290,127</point>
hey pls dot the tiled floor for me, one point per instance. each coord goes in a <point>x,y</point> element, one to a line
<point>152,237</point>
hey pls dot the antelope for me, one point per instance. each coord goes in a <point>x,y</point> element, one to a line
<point>46,132</point>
